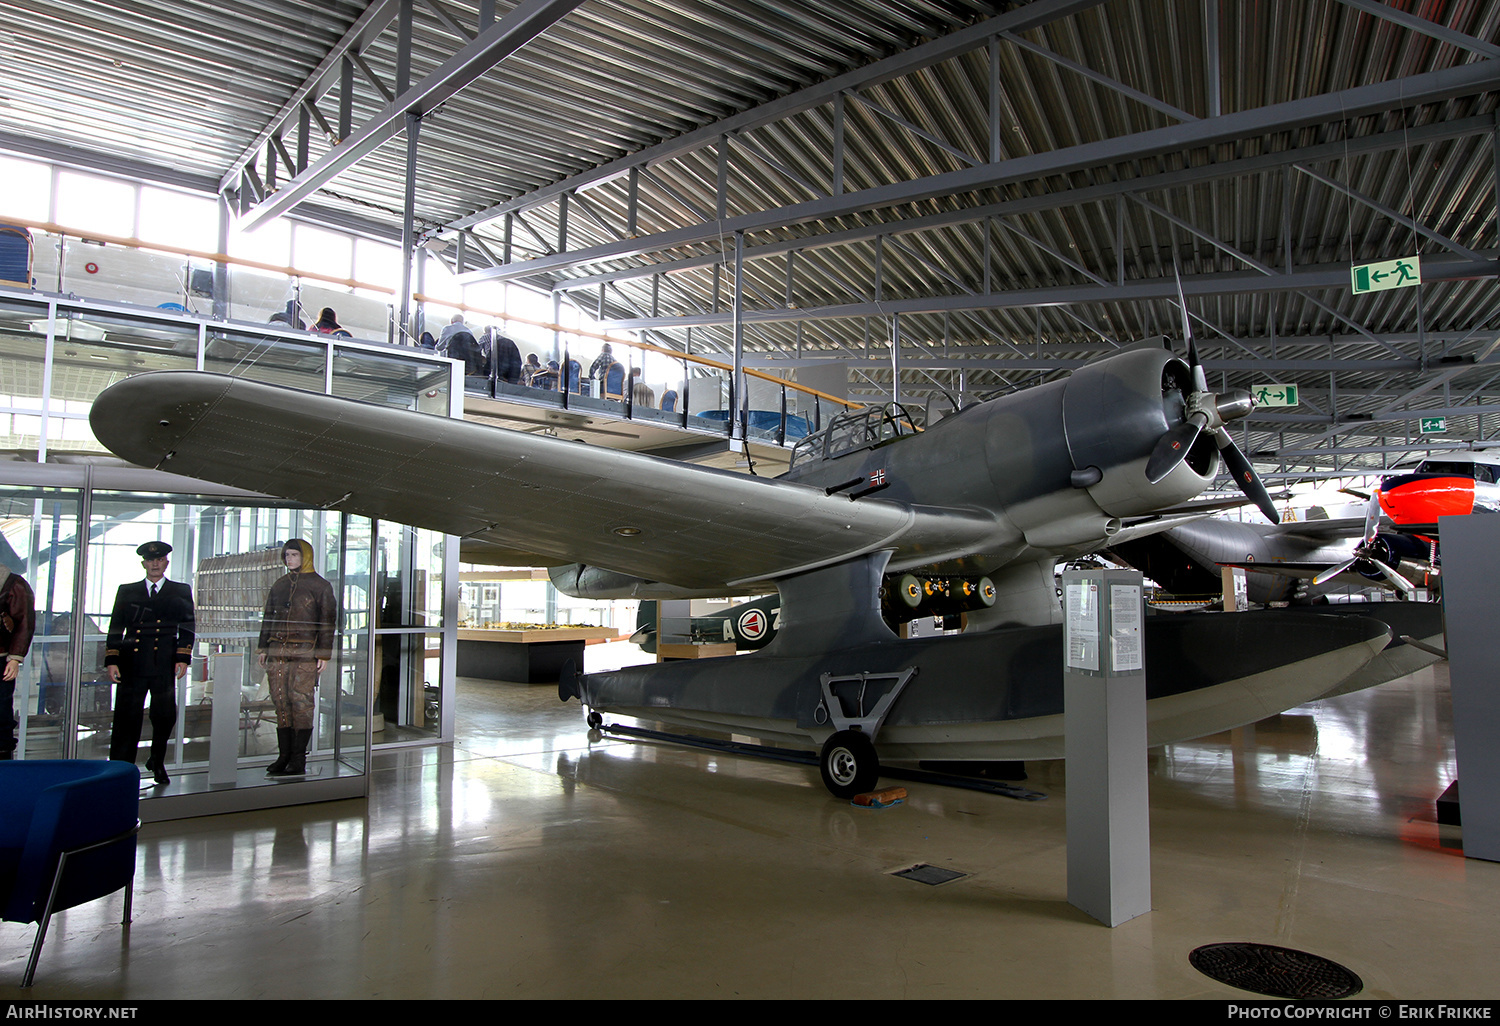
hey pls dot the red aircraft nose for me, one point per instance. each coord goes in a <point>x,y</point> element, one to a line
<point>1423,500</point>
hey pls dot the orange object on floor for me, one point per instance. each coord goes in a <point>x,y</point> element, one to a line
<point>886,797</point>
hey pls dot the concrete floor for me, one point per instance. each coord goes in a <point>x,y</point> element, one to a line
<point>524,862</point>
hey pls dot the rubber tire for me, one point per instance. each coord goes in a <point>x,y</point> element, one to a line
<point>848,764</point>
<point>594,720</point>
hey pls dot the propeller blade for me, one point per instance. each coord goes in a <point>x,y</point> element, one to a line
<point>1173,449</point>
<point>1200,380</point>
<point>1372,518</point>
<point>1401,583</point>
<point>1330,574</point>
<point>1245,476</point>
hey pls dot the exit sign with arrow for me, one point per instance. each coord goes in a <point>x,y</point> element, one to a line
<point>1388,274</point>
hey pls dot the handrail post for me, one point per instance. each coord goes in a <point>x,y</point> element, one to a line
<point>628,388</point>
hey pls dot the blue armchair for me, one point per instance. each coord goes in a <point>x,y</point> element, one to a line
<point>614,381</point>
<point>67,835</point>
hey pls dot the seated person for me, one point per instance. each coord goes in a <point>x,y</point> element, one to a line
<point>547,378</point>
<point>462,345</point>
<point>641,394</point>
<point>328,324</point>
<point>506,358</point>
<point>288,316</point>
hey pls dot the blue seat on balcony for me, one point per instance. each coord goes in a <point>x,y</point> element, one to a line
<point>614,381</point>
<point>669,401</point>
<point>16,254</point>
<point>67,836</point>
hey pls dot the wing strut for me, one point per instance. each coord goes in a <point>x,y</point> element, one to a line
<point>839,602</point>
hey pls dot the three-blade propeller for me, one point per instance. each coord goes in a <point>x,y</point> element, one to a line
<point>1369,551</point>
<point>1208,412</point>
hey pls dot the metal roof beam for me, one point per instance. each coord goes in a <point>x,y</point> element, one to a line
<point>1235,283</point>
<point>1467,79</point>
<point>1344,426</point>
<point>1099,77</point>
<point>366,29</point>
<point>1028,16</point>
<point>1374,450</point>
<point>920,133</point>
<point>1052,200</point>
<point>1394,215</point>
<point>505,37</point>
<point>1390,412</point>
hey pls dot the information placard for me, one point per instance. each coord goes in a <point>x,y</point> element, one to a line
<point>1125,628</point>
<point>1081,624</point>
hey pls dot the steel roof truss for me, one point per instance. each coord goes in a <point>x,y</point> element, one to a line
<point>1257,122</point>
<point>527,20</point>
<point>1398,217</point>
<point>1031,15</point>
<point>1093,193</point>
<point>1096,76</point>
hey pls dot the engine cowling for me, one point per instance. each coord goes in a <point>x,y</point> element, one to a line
<point>1115,411</point>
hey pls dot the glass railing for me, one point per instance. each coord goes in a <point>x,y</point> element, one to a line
<point>128,271</point>
<point>697,394</point>
<point>64,352</point>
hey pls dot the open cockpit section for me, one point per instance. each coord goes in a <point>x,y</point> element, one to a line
<point>854,431</point>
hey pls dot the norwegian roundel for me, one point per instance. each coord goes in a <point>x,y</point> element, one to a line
<point>752,624</point>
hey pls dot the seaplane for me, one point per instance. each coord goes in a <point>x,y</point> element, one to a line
<point>980,506</point>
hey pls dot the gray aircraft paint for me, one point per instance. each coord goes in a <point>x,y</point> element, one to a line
<point>998,694</point>
<point>1008,486</point>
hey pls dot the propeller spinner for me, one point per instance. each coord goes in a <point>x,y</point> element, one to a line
<point>1209,412</point>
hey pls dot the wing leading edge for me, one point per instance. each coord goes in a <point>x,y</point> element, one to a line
<point>563,501</point>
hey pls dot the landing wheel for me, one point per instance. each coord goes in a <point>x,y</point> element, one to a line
<point>594,720</point>
<point>849,764</point>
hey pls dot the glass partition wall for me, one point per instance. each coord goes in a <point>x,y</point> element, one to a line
<point>72,517</point>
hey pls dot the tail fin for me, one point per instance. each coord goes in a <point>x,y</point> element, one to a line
<point>645,627</point>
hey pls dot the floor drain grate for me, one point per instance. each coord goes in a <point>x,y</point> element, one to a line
<point>923,873</point>
<point>1275,972</point>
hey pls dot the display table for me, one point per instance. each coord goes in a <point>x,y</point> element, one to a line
<point>526,656</point>
<point>712,650</point>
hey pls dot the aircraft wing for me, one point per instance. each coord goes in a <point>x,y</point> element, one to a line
<point>1152,525</point>
<point>1424,530</point>
<point>555,500</point>
<point>1341,527</point>
<point>1288,568</point>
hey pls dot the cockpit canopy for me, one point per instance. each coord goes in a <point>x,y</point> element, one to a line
<point>855,430</point>
<point>1458,468</point>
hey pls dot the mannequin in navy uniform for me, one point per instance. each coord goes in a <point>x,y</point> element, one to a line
<point>149,647</point>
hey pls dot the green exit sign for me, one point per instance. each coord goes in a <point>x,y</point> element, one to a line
<point>1433,425</point>
<point>1275,395</point>
<point>1387,274</point>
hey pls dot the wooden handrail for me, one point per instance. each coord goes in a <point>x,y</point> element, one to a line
<point>218,258</point>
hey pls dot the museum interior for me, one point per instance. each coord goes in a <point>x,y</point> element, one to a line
<point>774,499</point>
